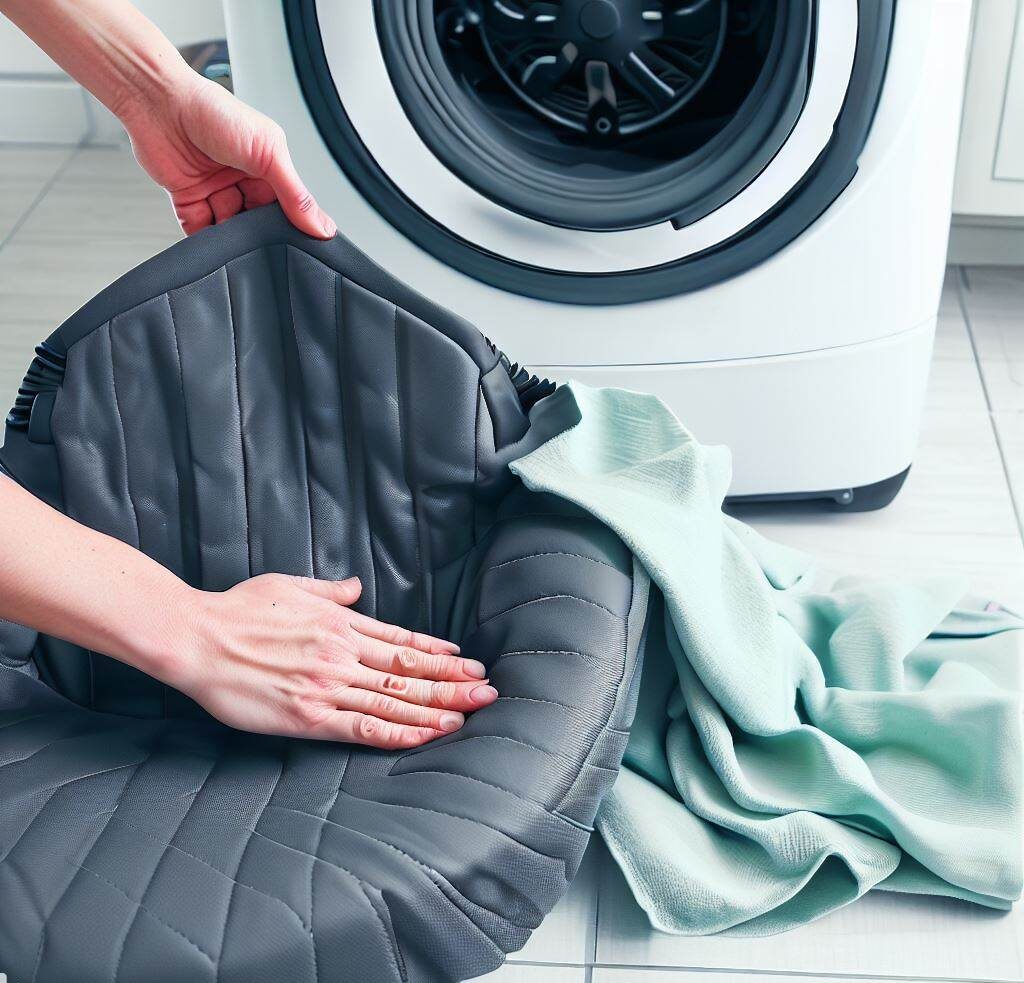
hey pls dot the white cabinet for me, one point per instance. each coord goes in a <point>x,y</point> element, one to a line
<point>990,168</point>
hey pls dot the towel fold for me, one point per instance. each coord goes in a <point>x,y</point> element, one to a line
<point>792,748</point>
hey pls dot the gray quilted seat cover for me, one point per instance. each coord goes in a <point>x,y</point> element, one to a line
<point>252,401</point>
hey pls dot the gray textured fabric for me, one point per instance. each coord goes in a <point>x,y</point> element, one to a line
<point>251,401</point>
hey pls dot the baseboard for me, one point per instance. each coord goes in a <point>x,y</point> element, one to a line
<point>986,241</point>
<point>42,110</point>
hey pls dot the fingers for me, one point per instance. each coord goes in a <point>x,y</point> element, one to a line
<point>225,203</point>
<point>400,712</point>
<point>256,192</point>
<point>296,201</point>
<point>194,216</point>
<point>362,728</point>
<point>396,635</point>
<point>344,592</point>
<point>416,662</point>
<point>439,693</point>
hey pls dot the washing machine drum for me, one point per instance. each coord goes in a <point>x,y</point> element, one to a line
<point>595,151</point>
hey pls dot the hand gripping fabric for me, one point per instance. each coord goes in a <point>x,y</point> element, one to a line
<point>250,401</point>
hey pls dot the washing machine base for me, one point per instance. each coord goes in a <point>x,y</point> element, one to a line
<point>839,424</point>
<point>867,498</point>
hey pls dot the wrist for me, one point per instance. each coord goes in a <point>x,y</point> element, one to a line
<point>163,641</point>
<point>149,85</point>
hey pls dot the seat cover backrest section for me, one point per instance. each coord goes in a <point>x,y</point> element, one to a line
<point>253,400</point>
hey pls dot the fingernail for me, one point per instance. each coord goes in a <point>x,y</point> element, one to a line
<point>473,668</point>
<point>330,229</point>
<point>352,580</point>
<point>451,721</point>
<point>483,694</point>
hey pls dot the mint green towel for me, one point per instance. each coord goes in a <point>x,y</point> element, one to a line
<point>792,748</point>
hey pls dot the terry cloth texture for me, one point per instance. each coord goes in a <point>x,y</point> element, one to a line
<point>251,401</point>
<point>792,748</point>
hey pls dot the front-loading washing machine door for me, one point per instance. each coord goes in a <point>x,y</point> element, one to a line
<point>595,151</point>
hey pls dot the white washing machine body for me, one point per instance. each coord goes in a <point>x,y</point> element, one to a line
<point>809,361</point>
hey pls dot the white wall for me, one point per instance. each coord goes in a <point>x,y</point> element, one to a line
<point>40,104</point>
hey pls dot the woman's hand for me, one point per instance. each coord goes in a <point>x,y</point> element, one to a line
<point>216,157</point>
<point>285,655</point>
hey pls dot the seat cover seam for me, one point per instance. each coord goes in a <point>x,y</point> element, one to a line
<point>238,405</point>
<point>156,869</point>
<point>489,737</point>
<point>548,597</point>
<point>618,685</point>
<point>405,451</point>
<point>530,556</point>
<point>436,812</point>
<point>357,429</point>
<point>238,868</point>
<point>316,858</point>
<point>413,860</point>
<point>242,884</point>
<point>77,868</point>
<point>193,556</point>
<point>312,871</point>
<point>299,402</point>
<point>121,434</point>
<point>140,906</point>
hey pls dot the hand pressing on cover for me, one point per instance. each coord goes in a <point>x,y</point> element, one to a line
<point>214,155</point>
<point>275,654</point>
<point>287,655</point>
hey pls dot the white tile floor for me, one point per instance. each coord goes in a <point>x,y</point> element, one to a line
<point>73,220</point>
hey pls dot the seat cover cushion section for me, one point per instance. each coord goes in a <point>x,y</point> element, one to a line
<point>255,401</point>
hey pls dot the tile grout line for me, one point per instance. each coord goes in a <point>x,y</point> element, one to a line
<point>962,284</point>
<point>812,976</point>
<point>42,193</point>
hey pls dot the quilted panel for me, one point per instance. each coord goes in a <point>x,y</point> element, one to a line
<point>255,401</point>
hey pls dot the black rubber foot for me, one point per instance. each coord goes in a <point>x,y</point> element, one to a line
<point>866,498</point>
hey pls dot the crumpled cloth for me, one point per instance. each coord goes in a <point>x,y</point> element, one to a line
<point>792,748</point>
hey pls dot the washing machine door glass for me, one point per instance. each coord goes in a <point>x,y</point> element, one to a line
<point>592,114</point>
<point>595,151</point>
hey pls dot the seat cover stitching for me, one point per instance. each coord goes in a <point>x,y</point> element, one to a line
<point>470,778</point>
<point>436,812</point>
<point>241,428</point>
<point>419,584</point>
<point>413,860</point>
<point>299,402</point>
<point>491,737</point>
<point>223,873</point>
<point>121,434</point>
<point>537,699</point>
<point>238,868</point>
<point>145,909</point>
<point>312,870</point>
<point>355,877</point>
<point>392,943</point>
<point>156,870</point>
<point>549,597</point>
<point>196,558</point>
<point>53,790</point>
<point>77,868</point>
<point>355,410</point>
<point>622,675</point>
<point>530,556</point>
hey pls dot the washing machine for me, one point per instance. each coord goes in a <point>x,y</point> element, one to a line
<point>741,206</point>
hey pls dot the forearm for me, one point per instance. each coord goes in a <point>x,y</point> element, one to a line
<point>107,45</point>
<point>67,580</point>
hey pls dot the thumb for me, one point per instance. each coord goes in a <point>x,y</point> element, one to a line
<point>296,201</point>
<point>344,592</point>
